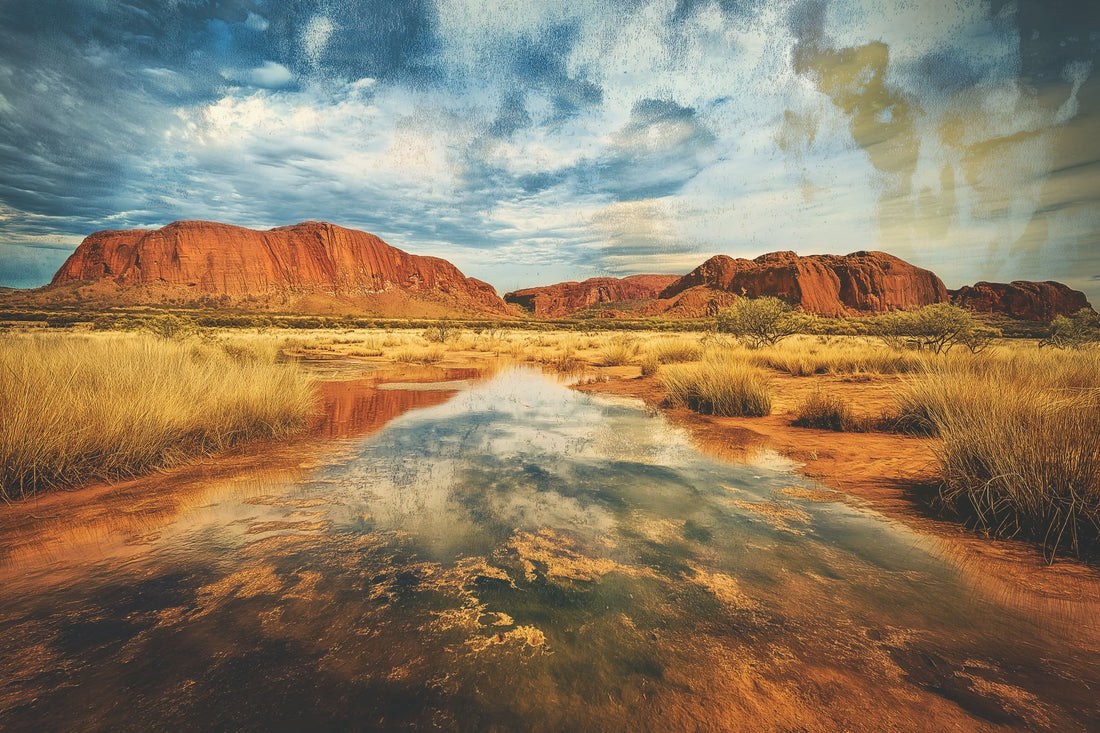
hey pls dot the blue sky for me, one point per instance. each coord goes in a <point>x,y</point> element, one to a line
<point>533,142</point>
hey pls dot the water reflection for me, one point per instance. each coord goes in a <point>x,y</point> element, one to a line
<point>514,555</point>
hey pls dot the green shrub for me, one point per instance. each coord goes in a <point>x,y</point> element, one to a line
<point>761,321</point>
<point>1078,331</point>
<point>170,326</point>
<point>938,328</point>
<point>440,333</point>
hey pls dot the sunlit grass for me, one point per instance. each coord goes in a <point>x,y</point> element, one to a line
<point>718,385</point>
<point>1020,450</point>
<point>824,411</point>
<point>619,350</point>
<point>805,356</point>
<point>78,407</point>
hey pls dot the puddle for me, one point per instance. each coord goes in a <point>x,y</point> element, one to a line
<point>513,555</point>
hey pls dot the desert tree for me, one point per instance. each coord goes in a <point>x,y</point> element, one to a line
<point>761,321</point>
<point>938,328</point>
<point>1078,331</point>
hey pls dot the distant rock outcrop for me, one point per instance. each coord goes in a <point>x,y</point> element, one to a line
<point>303,260</point>
<point>1023,299</point>
<point>828,285</point>
<point>563,299</point>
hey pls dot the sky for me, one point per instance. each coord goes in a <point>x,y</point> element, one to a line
<point>535,142</point>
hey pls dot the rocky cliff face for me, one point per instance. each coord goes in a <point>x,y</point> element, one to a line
<point>829,285</point>
<point>100,255</point>
<point>1032,301</point>
<point>563,299</point>
<point>301,260</point>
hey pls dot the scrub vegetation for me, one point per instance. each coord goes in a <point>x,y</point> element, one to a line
<point>77,407</point>
<point>718,385</point>
<point>1019,450</point>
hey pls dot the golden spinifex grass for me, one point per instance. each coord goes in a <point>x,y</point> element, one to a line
<point>1021,443</point>
<point>825,411</point>
<point>719,385</point>
<point>619,350</point>
<point>804,356</point>
<point>80,407</point>
<point>672,349</point>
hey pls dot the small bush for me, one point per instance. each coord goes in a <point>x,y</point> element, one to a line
<point>170,326</point>
<point>718,386</point>
<point>937,328</point>
<point>439,334</point>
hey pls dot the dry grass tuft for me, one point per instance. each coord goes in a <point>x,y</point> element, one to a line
<point>671,349</point>
<point>420,354</point>
<point>808,355</point>
<point>81,407</point>
<point>1021,443</point>
<point>718,385</point>
<point>824,411</point>
<point>620,351</point>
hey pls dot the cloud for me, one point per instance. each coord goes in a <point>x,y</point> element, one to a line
<point>583,137</point>
<point>271,75</point>
<point>315,38</point>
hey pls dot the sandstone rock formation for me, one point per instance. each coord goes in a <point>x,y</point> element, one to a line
<point>1032,301</point>
<point>828,285</point>
<point>302,260</point>
<point>563,299</point>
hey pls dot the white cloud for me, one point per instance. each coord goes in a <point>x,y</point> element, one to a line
<point>256,22</point>
<point>315,38</point>
<point>1076,72</point>
<point>271,75</point>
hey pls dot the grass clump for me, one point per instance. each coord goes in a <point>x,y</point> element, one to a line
<point>718,386</point>
<point>1020,452</point>
<point>102,406</point>
<point>824,411</point>
<point>415,354</point>
<point>671,350</point>
<point>620,351</point>
<point>807,355</point>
